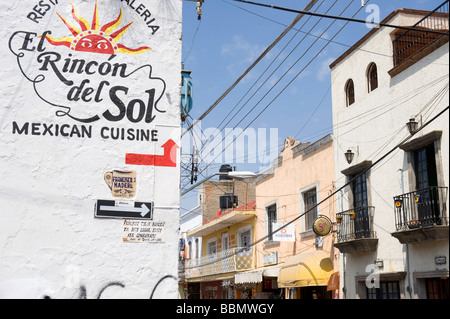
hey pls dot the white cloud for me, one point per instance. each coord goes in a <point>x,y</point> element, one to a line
<point>240,52</point>
<point>323,71</point>
<point>239,46</point>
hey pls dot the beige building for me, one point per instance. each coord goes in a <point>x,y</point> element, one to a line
<point>294,262</point>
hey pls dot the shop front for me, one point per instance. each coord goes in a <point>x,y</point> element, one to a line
<point>258,284</point>
<point>211,290</point>
<point>219,286</point>
<point>306,276</point>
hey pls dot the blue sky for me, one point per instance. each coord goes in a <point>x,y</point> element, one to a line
<point>231,35</point>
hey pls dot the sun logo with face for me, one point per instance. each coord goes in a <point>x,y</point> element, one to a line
<point>95,38</point>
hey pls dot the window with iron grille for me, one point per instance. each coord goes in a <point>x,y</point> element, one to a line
<point>372,77</point>
<point>211,249</point>
<point>350,92</point>
<point>310,202</point>
<point>271,218</point>
<point>245,240</point>
<point>387,290</point>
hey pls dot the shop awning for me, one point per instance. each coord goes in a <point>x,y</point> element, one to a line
<point>333,282</point>
<point>303,270</point>
<point>248,277</point>
<point>255,276</point>
<point>223,276</point>
<point>271,271</point>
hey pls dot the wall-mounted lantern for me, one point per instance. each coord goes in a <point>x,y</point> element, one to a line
<point>349,156</point>
<point>412,126</point>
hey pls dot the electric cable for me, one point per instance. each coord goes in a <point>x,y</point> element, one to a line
<point>273,72</point>
<point>239,250</point>
<point>312,35</point>
<point>290,82</point>
<point>377,24</point>
<point>193,40</point>
<point>267,50</point>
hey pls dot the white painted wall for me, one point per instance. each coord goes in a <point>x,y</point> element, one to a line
<point>372,126</point>
<point>191,219</point>
<point>50,243</point>
<point>188,221</point>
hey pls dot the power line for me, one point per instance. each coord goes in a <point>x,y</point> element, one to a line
<point>308,7</point>
<point>253,120</point>
<point>267,68</point>
<point>262,84</point>
<point>209,141</point>
<point>366,169</point>
<point>379,108</point>
<point>290,82</point>
<point>434,100</point>
<point>312,35</point>
<point>193,40</point>
<point>239,250</point>
<point>340,18</point>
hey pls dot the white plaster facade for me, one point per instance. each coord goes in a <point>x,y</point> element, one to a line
<point>371,127</point>
<point>188,221</point>
<point>192,246</point>
<point>52,164</point>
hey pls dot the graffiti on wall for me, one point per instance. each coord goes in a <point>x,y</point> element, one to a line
<point>83,294</point>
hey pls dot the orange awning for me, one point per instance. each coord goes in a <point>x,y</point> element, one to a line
<point>333,282</point>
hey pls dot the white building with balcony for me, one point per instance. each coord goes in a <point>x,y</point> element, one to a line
<point>392,220</point>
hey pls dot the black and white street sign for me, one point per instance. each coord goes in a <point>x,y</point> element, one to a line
<point>123,209</point>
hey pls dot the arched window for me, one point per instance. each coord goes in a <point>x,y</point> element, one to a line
<point>372,77</point>
<point>350,92</point>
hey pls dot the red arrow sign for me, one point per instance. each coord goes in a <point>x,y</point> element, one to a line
<point>169,159</point>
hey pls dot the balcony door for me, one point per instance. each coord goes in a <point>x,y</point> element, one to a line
<point>426,177</point>
<point>360,206</point>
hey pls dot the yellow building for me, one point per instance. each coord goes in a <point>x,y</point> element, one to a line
<point>227,249</point>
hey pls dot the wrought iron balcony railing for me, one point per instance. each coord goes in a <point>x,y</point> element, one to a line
<point>356,223</point>
<point>422,208</point>
<point>234,259</point>
<point>409,42</point>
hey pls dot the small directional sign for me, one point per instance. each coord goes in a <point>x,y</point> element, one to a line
<point>123,209</point>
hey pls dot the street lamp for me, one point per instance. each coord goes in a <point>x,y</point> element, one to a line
<point>412,125</point>
<point>349,156</point>
<point>234,174</point>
